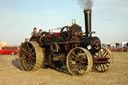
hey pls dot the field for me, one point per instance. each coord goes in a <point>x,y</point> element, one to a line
<point>11,74</point>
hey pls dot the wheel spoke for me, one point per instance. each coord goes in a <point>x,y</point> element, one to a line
<point>24,64</point>
<point>29,66</point>
<point>97,66</point>
<point>101,67</point>
<point>83,62</point>
<point>96,55</point>
<point>106,65</point>
<point>33,58</point>
<point>80,51</point>
<point>31,49</point>
<point>24,50</point>
<point>31,61</point>
<point>72,62</point>
<point>80,70</point>
<point>85,68</point>
<point>74,67</point>
<point>106,55</point>
<point>28,47</point>
<point>74,54</point>
<point>100,53</point>
<point>33,53</point>
<point>104,52</point>
<point>73,57</point>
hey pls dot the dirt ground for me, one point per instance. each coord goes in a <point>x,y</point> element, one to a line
<point>11,74</point>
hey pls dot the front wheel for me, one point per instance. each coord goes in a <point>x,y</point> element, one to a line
<point>102,60</point>
<point>79,61</point>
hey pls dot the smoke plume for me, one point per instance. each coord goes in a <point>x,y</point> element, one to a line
<point>86,4</point>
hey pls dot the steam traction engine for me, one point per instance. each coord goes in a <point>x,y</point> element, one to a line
<point>79,51</point>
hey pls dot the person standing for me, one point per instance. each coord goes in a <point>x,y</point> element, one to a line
<point>40,32</point>
<point>34,33</point>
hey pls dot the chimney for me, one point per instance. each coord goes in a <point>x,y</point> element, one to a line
<point>87,15</point>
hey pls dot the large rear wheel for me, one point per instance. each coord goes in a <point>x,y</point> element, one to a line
<point>79,61</point>
<point>31,56</point>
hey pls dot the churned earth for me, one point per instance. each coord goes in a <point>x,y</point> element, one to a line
<point>11,74</point>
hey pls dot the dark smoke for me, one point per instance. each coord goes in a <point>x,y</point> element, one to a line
<point>86,4</point>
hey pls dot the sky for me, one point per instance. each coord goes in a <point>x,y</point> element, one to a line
<point>19,17</point>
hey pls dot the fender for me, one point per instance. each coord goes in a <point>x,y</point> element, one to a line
<point>35,38</point>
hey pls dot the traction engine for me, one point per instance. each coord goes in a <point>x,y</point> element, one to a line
<point>79,51</point>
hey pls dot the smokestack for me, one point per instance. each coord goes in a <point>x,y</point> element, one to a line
<point>87,15</point>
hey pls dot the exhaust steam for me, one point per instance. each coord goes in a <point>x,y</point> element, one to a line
<point>85,4</point>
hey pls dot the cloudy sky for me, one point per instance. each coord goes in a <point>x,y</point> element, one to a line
<point>18,17</point>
